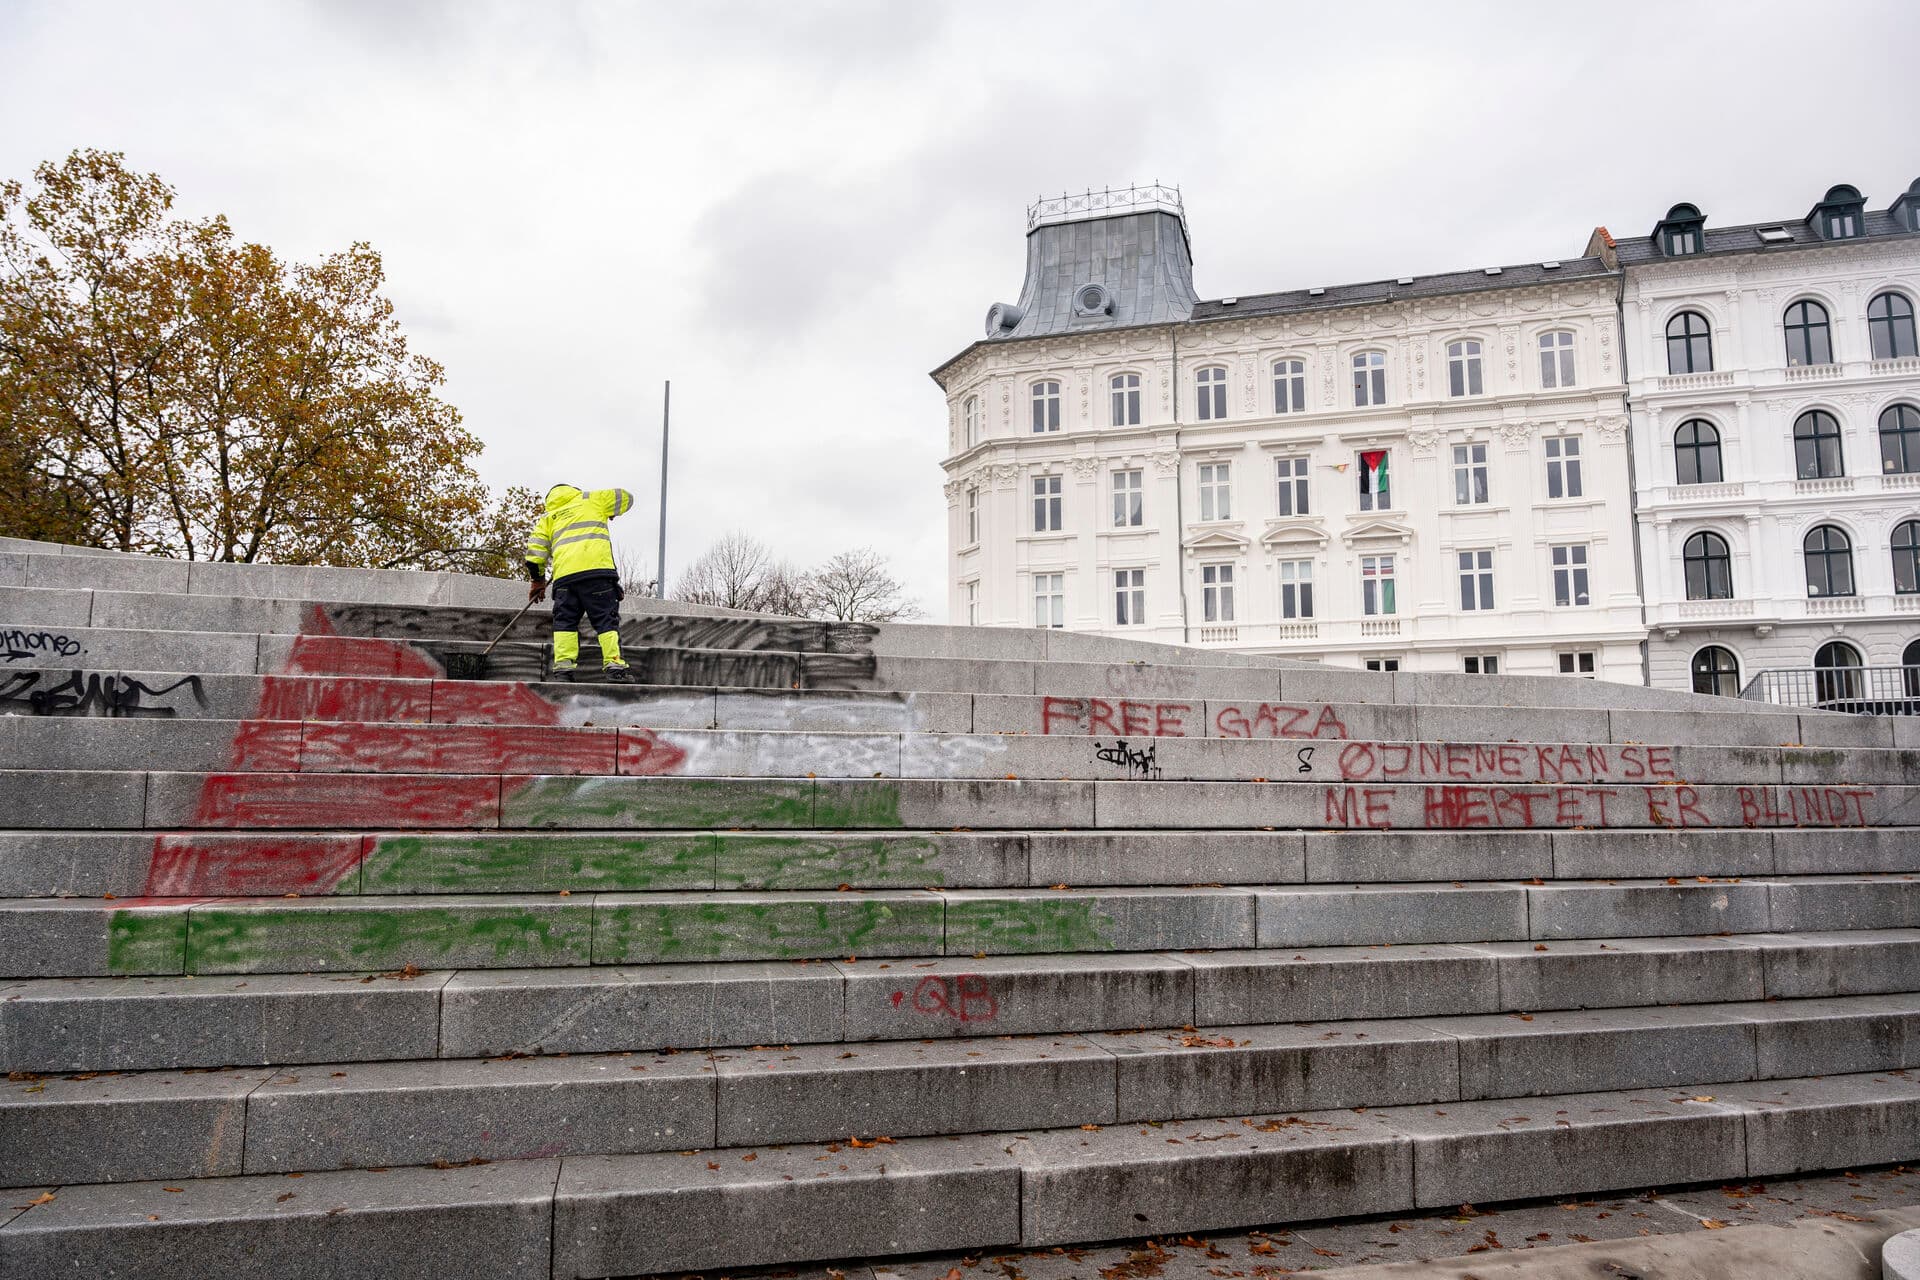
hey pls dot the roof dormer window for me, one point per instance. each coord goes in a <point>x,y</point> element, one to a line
<point>1840,215</point>
<point>1682,231</point>
<point>1906,210</point>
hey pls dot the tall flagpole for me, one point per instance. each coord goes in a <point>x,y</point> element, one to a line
<point>660,566</point>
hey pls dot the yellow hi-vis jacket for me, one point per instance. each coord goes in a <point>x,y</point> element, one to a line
<point>572,536</point>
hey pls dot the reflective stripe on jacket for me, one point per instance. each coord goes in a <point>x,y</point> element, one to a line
<point>572,536</point>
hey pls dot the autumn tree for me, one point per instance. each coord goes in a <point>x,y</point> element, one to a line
<point>167,387</point>
<point>741,572</point>
<point>858,586</point>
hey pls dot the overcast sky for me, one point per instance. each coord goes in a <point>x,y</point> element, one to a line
<point>795,210</point>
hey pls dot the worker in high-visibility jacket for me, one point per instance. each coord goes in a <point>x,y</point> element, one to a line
<point>570,547</point>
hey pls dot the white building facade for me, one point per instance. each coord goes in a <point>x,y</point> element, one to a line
<point>1416,474</point>
<point>1775,390</point>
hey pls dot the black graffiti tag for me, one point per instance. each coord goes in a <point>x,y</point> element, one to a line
<point>81,693</point>
<point>1138,761</point>
<point>16,644</point>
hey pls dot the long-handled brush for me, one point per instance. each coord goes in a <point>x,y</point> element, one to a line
<point>473,666</point>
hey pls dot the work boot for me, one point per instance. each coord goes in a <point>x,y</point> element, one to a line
<point>617,673</point>
<point>562,669</point>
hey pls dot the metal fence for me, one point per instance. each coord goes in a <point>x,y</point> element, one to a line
<point>1867,691</point>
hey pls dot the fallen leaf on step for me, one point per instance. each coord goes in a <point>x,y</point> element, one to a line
<point>1714,1224</point>
<point>45,1197</point>
<point>163,1189</point>
<point>283,1197</point>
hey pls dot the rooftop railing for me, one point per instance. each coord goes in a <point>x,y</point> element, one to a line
<point>1106,203</point>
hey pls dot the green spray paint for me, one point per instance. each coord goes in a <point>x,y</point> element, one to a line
<point>537,863</point>
<point>856,806</point>
<point>826,862</point>
<point>1026,926</point>
<point>294,939</point>
<point>723,929</point>
<point>684,803</point>
<point>147,940</point>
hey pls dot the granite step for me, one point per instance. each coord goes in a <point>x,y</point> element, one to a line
<point>588,1216</point>
<point>73,1129</point>
<point>72,1024</point>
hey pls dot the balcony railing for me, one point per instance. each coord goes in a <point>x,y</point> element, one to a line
<point>1694,381</point>
<point>1220,635</point>
<point>1871,691</point>
<point>1903,364</point>
<point>1706,492</point>
<point>1380,626</point>
<point>1825,484</point>
<point>1812,372</point>
<point>1311,630</point>
<point>1900,480</point>
<point>1827,605</point>
<point>1715,609</point>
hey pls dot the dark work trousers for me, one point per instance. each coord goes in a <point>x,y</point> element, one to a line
<point>597,598</point>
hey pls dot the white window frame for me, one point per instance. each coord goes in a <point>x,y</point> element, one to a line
<point>1382,664</point>
<point>1050,600</point>
<point>1476,580</point>
<point>1129,597</point>
<point>1377,500</point>
<point>1472,486</point>
<point>1464,376</point>
<point>1216,491</point>
<point>1480,664</point>
<point>1292,491</point>
<point>1565,470</point>
<point>970,415</point>
<point>1379,586</point>
<point>1558,368</point>
<point>1296,589</point>
<point>1572,580</point>
<point>1289,386</point>
<point>973,514</point>
<point>1045,398</point>
<point>1124,399</point>
<point>1578,662</point>
<point>1216,592</point>
<point>970,597</point>
<point>1369,379</point>
<point>1047,511</point>
<point>1129,499</point>
<point>1210,393</point>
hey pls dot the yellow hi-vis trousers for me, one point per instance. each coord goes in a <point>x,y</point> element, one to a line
<point>566,647</point>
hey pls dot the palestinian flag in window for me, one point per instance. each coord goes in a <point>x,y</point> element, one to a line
<point>1373,471</point>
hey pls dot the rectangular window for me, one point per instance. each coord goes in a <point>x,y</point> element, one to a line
<point>1211,386</point>
<point>1126,399</point>
<point>1216,592</point>
<point>1469,474</point>
<point>1476,580</point>
<point>1369,379</point>
<point>973,604</point>
<point>1292,473</point>
<point>1296,588</point>
<point>1289,386</point>
<point>1130,597</point>
<point>973,516</point>
<point>1374,491</point>
<point>1046,407</point>
<point>1383,664</point>
<point>1376,584</point>
<point>1563,467</point>
<point>1570,575</point>
<point>1129,508</point>
<point>1481,664</point>
<point>1046,504</point>
<point>1556,359</point>
<point>1577,663</point>
<point>1216,491</point>
<point>1049,599</point>
<point>1463,368</point>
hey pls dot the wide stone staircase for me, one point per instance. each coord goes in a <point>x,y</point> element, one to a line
<point>834,941</point>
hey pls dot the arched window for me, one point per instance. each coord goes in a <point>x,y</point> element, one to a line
<point>1556,359</point>
<point>1816,446</point>
<point>1709,567</point>
<point>1837,674</point>
<point>1689,344</point>
<point>1809,340</point>
<point>1906,557</point>
<point>1910,669</point>
<point>1829,556</point>
<point>1369,378</point>
<point>1463,368</point>
<point>1696,453</point>
<point>1900,440</point>
<point>1716,671</point>
<point>970,415</point>
<point>1890,323</point>
<point>1211,384</point>
<point>1126,399</point>
<point>1289,386</point>
<point>1046,406</point>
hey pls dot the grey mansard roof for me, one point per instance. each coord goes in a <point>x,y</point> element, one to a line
<point>1640,251</point>
<point>1377,291</point>
<point>1141,258</point>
